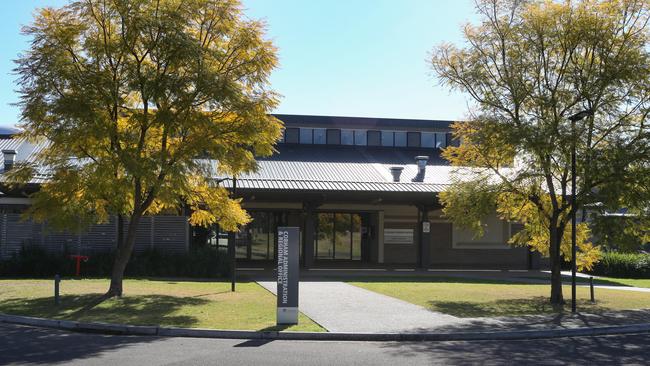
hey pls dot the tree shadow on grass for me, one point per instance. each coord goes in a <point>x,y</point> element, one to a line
<point>137,310</point>
<point>503,307</point>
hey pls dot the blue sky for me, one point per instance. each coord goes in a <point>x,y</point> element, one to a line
<point>364,58</point>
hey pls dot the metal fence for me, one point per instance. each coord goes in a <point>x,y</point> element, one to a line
<point>164,233</point>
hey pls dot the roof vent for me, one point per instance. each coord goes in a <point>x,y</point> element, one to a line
<point>9,157</point>
<point>422,168</point>
<point>396,171</point>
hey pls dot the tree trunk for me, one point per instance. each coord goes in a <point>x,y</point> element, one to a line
<point>123,254</point>
<point>557,299</point>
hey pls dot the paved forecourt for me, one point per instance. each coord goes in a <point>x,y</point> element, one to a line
<point>341,307</point>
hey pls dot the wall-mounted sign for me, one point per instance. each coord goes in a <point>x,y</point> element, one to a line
<point>426,227</point>
<point>288,256</point>
<point>398,236</point>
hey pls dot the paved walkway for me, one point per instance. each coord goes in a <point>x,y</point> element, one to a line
<point>341,307</point>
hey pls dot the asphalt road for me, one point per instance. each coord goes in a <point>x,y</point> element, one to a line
<point>34,346</point>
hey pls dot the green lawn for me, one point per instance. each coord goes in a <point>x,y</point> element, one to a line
<point>608,281</point>
<point>150,302</point>
<point>641,282</point>
<point>467,298</point>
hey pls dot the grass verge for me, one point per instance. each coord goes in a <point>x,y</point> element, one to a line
<point>605,281</point>
<point>467,298</point>
<point>172,303</point>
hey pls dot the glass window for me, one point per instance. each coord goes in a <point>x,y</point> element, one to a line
<point>413,139</point>
<point>428,139</point>
<point>400,139</point>
<point>338,236</point>
<point>242,243</point>
<point>441,140</point>
<point>292,135</point>
<point>356,237</point>
<point>450,140</point>
<point>347,137</point>
<point>324,237</point>
<point>387,138</point>
<point>342,236</point>
<point>259,235</point>
<point>360,137</point>
<point>306,135</point>
<point>374,138</point>
<point>319,136</point>
<point>333,137</point>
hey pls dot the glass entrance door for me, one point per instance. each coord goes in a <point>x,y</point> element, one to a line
<point>256,241</point>
<point>338,236</point>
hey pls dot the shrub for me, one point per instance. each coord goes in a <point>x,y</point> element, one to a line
<point>33,261</point>
<point>630,265</point>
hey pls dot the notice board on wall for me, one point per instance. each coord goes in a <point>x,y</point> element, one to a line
<point>398,236</point>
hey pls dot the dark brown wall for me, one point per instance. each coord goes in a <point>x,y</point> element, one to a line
<point>401,253</point>
<point>443,255</point>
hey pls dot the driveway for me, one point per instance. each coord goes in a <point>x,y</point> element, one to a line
<point>341,307</point>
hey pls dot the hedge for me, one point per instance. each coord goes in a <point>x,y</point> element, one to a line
<point>625,265</point>
<point>198,262</point>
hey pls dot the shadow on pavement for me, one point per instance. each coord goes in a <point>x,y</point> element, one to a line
<point>45,346</point>
<point>254,343</point>
<point>611,350</point>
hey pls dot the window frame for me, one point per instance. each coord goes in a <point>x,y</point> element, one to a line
<point>376,133</point>
<point>418,135</point>
<point>337,132</point>
<point>287,132</point>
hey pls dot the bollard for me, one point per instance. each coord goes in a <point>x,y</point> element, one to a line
<point>591,288</point>
<point>57,279</point>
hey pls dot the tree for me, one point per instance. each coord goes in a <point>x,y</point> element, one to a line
<point>130,94</point>
<point>528,66</point>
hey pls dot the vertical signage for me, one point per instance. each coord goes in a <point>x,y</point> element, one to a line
<point>288,262</point>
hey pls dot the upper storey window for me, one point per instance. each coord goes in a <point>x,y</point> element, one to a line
<point>374,138</point>
<point>360,137</point>
<point>413,139</point>
<point>441,140</point>
<point>335,136</point>
<point>292,135</point>
<point>347,137</point>
<point>400,139</point>
<point>387,138</point>
<point>428,139</point>
<point>306,135</point>
<point>320,137</point>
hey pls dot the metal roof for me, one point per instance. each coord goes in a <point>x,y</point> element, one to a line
<point>344,168</point>
<point>313,168</point>
<point>305,185</point>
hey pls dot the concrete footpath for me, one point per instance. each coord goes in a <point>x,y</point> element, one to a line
<point>341,307</point>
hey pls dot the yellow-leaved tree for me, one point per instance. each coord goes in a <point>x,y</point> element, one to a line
<point>527,67</point>
<point>138,100</point>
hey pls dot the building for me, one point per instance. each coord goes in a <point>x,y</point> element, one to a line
<point>362,190</point>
